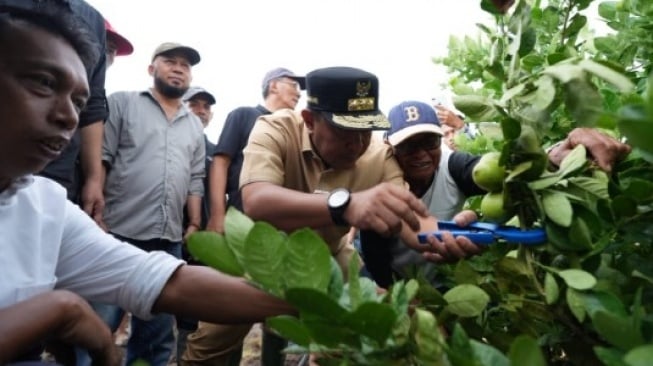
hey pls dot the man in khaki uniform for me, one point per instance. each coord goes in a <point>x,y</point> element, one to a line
<point>321,169</point>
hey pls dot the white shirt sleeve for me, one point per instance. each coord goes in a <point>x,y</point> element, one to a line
<point>101,268</point>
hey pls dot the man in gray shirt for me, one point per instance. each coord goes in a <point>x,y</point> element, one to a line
<point>153,152</point>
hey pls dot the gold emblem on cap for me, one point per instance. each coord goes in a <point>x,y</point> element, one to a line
<point>360,104</point>
<point>311,99</point>
<point>363,88</point>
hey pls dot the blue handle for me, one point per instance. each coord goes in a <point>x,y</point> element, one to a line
<point>526,237</point>
<point>480,237</point>
<point>488,232</point>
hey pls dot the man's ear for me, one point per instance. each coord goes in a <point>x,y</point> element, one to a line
<point>150,70</point>
<point>309,119</point>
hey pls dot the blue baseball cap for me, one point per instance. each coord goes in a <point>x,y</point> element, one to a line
<point>411,118</point>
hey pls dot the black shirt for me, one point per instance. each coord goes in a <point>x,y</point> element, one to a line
<point>233,139</point>
<point>64,169</point>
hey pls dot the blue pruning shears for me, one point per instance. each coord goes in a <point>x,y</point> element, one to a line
<point>485,233</point>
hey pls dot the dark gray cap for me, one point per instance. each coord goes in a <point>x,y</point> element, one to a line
<point>197,91</point>
<point>281,72</point>
<point>169,47</point>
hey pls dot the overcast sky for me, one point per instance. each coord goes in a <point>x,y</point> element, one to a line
<point>240,40</point>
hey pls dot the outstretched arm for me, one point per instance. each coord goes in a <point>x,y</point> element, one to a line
<point>383,208</point>
<point>211,296</point>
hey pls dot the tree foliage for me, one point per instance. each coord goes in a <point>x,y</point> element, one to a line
<point>585,297</point>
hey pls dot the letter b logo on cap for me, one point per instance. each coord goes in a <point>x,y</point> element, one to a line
<point>412,113</point>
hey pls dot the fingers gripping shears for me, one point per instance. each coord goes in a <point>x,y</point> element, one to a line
<point>485,233</point>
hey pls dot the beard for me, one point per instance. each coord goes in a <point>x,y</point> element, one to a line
<point>167,90</point>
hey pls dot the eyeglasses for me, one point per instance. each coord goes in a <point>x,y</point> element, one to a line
<point>294,84</point>
<point>428,143</point>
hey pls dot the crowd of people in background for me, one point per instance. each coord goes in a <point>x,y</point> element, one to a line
<point>98,194</point>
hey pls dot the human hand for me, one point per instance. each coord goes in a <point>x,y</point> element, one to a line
<point>384,208</point>
<point>216,223</point>
<point>93,201</point>
<point>190,229</point>
<point>503,5</point>
<point>449,118</point>
<point>451,249</point>
<point>603,149</point>
<point>81,326</point>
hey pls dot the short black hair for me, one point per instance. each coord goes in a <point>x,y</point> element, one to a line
<point>55,17</point>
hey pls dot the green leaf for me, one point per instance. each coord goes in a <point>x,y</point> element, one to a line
<point>460,352</point>
<point>640,356</point>
<point>575,304</point>
<point>307,262</point>
<point>610,356</point>
<point>559,237</point>
<point>577,23</point>
<point>635,123</point>
<point>564,72</point>
<point>546,180</point>
<point>401,293</point>
<point>619,80</point>
<point>638,189</point>
<point>596,187</point>
<point>607,9</point>
<point>510,128</point>
<point>532,61</point>
<point>527,43</point>
<point>466,300</point>
<point>211,249</point>
<point>545,94</point>
<point>336,283</point>
<point>311,301</point>
<point>624,206</point>
<point>579,234</point>
<point>476,107</point>
<point>512,92</point>
<point>330,335</point>
<point>236,229</point>
<point>557,207</point>
<point>265,250</point>
<point>524,350</point>
<point>617,330</point>
<point>606,44</point>
<point>427,338</point>
<point>595,301</point>
<point>577,279</point>
<point>583,101</point>
<point>355,296</point>
<point>638,274</point>
<point>290,328</point>
<point>575,160</point>
<point>519,170</point>
<point>488,355</point>
<point>373,320</point>
<point>551,289</point>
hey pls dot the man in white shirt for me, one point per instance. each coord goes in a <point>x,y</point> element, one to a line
<point>53,253</point>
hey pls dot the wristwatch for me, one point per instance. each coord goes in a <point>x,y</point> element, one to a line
<point>337,202</point>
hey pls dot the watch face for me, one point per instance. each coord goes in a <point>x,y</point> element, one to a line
<point>338,198</point>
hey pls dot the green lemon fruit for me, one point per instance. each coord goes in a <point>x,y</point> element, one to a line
<point>492,207</point>
<point>528,148</point>
<point>488,174</point>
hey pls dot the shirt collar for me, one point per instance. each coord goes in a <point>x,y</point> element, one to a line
<point>16,185</point>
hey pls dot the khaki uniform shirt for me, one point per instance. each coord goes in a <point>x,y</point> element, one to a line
<point>279,151</point>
